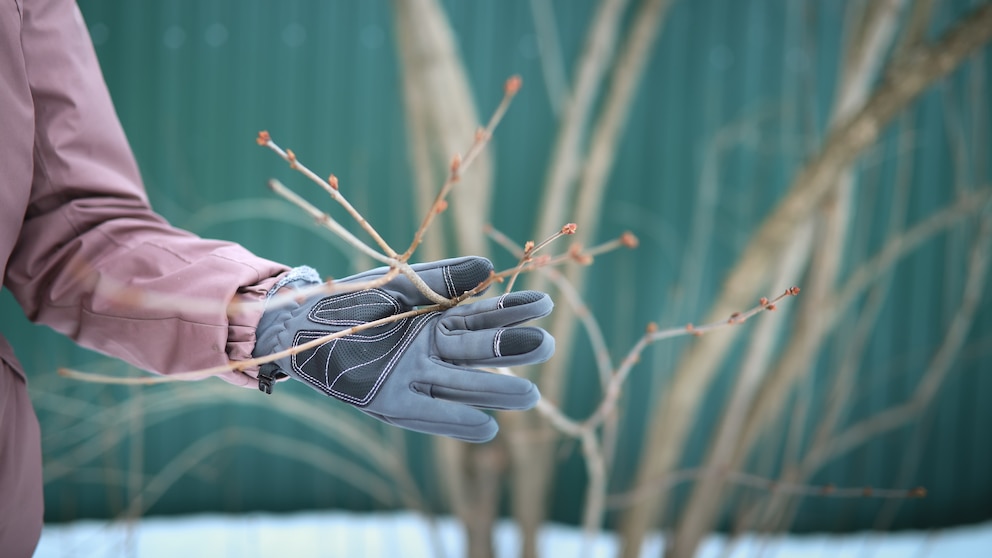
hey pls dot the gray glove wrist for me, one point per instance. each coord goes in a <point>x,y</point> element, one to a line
<point>418,372</point>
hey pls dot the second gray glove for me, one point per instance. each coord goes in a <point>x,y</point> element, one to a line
<point>419,372</point>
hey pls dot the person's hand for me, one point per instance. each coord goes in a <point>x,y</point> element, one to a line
<point>419,372</point>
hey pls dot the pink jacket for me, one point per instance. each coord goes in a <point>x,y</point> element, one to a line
<point>83,252</point>
<point>80,248</point>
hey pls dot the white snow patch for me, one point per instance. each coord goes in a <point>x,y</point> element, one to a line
<point>390,535</point>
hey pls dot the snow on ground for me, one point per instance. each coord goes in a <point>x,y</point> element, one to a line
<point>334,534</point>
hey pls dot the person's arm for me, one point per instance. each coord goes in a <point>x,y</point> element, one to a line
<point>92,260</point>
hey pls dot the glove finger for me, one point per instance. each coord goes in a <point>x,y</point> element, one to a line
<point>504,311</point>
<point>480,334</point>
<point>444,418</point>
<point>480,389</point>
<point>513,346</point>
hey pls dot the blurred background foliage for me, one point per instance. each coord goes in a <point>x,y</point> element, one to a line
<point>734,98</point>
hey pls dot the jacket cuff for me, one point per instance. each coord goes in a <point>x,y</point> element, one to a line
<point>243,315</point>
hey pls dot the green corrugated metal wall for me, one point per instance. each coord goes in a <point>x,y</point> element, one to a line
<point>195,80</point>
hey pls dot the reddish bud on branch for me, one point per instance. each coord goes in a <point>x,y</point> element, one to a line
<point>569,228</point>
<point>528,246</point>
<point>733,317</point>
<point>263,138</point>
<point>512,85</point>
<point>763,301</point>
<point>456,163</point>
<point>333,181</point>
<point>629,240</point>
<point>575,252</point>
<point>770,307</point>
<point>291,157</point>
<point>651,327</point>
<point>792,291</point>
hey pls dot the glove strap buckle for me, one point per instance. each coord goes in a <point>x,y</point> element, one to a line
<point>268,373</point>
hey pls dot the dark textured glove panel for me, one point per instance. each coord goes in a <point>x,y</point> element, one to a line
<point>353,367</point>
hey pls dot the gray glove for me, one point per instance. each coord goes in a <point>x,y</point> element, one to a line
<point>419,372</point>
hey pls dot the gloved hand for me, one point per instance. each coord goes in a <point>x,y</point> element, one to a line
<point>419,372</point>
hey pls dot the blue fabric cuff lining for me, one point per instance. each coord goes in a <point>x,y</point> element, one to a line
<point>303,273</point>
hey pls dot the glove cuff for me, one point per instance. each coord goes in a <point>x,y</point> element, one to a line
<point>273,320</point>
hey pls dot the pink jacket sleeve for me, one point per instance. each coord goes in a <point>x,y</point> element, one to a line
<point>92,260</point>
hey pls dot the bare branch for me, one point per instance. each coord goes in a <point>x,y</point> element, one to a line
<point>619,99</point>
<point>901,85</point>
<point>701,510</point>
<point>326,220</point>
<point>756,390</point>
<point>597,340</point>
<point>399,267</point>
<point>243,364</point>
<point>440,109</point>
<point>330,186</point>
<point>653,335</point>
<point>901,245</point>
<point>843,144</point>
<point>527,254</point>
<point>597,54</point>
<point>460,164</point>
<point>208,445</point>
<point>938,369</point>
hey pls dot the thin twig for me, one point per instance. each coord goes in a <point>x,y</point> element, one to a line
<point>243,364</point>
<point>446,303</point>
<point>460,164</point>
<point>327,221</point>
<point>530,249</point>
<point>900,245</point>
<point>939,367</point>
<point>653,335</point>
<point>331,187</point>
<point>210,444</point>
